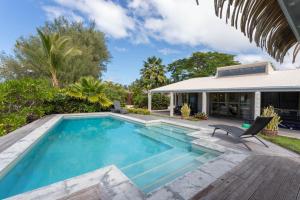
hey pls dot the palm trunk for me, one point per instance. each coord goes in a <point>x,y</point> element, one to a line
<point>55,82</point>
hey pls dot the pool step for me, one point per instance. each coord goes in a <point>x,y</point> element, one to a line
<point>174,128</point>
<point>169,140</point>
<point>206,157</point>
<point>175,134</point>
<point>167,171</point>
<point>156,160</point>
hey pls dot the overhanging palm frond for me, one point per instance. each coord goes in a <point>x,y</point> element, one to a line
<point>263,22</point>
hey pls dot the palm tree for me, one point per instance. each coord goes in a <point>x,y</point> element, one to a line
<point>56,49</point>
<point>89,89</point>
<point>153,73</point>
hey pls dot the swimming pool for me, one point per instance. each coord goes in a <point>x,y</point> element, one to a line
<point>150,156</point>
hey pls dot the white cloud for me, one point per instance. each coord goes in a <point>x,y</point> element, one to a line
<point>53,12</point>
<point>109,17</point>
<point>179,22</point>
<point>182,22</point>
<point>121,49</point>
<point>251,58</point>
<point>168,51</point>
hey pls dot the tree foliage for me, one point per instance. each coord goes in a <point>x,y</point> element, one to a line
<point>200,64</point>
<point>56,51</point>
<point>90,90</point>
<point>85,37</point>
<point>153,73</point>
<point>115,91</point>
<point>22,101</point>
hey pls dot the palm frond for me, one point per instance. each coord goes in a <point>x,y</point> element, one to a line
<point>72,52</point>
<point>263,22</point>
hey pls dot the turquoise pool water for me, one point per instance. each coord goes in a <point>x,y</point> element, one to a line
<point>150,156</point>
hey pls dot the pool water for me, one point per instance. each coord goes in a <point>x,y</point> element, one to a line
<point>150,156</point>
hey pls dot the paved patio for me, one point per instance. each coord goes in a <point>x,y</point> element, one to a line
<point>213,120</point>
<point>266,174</point>
<point>223,139</point>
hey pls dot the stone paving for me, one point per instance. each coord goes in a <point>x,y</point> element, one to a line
<point>223,139</point>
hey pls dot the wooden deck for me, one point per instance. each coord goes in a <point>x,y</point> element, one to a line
<point>257,178</point>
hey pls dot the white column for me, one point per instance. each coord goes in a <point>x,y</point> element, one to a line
<point>204,102</point>
<point>149,101</point>
<point>171,104</point>
<point>257,106</point>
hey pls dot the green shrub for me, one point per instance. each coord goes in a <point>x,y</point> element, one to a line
<point>22,101</point>
<point>116,92</point>
<point>63,103</point>
<point>159,101</point>
<point>185,111</point>
<point>139,111</point>
<point>2,130</point>
<point>201,116</point>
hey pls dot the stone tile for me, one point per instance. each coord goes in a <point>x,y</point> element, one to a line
<point>123,191</point>
<point>53,191</point>
<point>191,183</point>
<point>217,167</point>
<point>234,157</point>
<point>164,194</point>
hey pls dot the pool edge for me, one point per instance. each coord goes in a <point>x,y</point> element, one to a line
<point>230,158</point>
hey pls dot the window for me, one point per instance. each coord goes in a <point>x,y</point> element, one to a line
<point>242,71</point>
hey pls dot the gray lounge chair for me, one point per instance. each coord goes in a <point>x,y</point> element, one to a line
<point>117,108</point>
<point>256,127</point>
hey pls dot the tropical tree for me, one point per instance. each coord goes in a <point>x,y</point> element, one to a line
<point>115,91</point>
<point>200,64</point>
<point>28,56</point>
<point>91,90</point>
<point>153,73</point>
<point>56,50</point>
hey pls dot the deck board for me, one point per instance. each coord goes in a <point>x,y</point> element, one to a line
<point>257,178</point>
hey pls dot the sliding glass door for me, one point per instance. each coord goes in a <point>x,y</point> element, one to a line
<point>233,105</point>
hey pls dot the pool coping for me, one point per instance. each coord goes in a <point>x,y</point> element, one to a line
<point>112,182</point>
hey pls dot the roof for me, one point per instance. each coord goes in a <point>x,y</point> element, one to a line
<point>287,80</point>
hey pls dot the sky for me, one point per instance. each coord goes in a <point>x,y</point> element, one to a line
<point>137,29</point>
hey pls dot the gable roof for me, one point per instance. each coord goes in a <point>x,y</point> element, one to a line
<point>287,80</point>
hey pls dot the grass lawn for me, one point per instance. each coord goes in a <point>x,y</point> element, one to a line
<point>286,142</point>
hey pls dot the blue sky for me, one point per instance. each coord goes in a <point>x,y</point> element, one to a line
<point>135,30</point>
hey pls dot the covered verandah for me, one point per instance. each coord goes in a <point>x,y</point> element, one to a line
<point>234,104</point>
<point>196,100</point>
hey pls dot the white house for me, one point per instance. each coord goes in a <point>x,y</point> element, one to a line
<point>239,91</point>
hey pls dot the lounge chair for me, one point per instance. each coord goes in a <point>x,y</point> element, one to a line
<point>117,108</point>
<point>256,127</point>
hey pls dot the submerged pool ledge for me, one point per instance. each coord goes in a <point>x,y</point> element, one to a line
<point>112,183</point>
